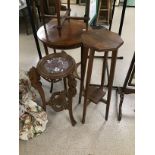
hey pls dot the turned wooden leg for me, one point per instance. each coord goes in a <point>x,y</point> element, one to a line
<point>110,82</point>
<point>70,94</point>
<point>89,72</point>
<point>84,55</point>
<point>35,82</point>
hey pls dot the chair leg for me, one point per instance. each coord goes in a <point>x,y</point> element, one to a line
<point>90,65</point>
<point>110,82</point>
<point>120,106</point>
<point>84,55</point>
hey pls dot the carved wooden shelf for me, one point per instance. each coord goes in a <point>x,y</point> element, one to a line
<point>58,101</point>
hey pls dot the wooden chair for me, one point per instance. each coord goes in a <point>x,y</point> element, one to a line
<point>128,86</point>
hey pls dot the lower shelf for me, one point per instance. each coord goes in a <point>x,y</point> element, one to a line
<point>95,94</point>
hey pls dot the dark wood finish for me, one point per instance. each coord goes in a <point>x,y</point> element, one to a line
<point>65,83</point>
<point>58,101</point>
<point>95,94</point>
<point>99,41</point>
<point>59,33</point>
<point>125,89</point>
<point>42,70</point>
<point>52,67</point>
<point>105,65</point>
<point>110,82</point>
<point>62,18</point>
<point>70,34</point>
<point>112,14</point>
<point>71,92</point>
<point>89,72</point>
<point>102,40</point>
<point>84,54</point>
<point>132,76</point>
<point>51,89</point>
<point>36,83</point>
<point>63,32</point>
<point>122,17</point>
<point>46,49</point>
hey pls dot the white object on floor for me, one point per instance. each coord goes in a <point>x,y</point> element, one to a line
<point>33,118</point>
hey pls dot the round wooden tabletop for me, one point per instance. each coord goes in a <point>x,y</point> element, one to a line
<point>70,34</point>
<point>55,66</point>
<point>101,40</point>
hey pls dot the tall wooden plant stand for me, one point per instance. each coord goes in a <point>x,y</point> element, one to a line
<point>99,41</point>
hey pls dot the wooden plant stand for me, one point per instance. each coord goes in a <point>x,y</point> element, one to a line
<point>51,67</point>
<point>125,89</point>
<point>100,41</point>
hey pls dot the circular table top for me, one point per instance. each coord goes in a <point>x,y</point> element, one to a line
<point>101,40</point>
<point>70,34</point>
<point>55,66</point>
